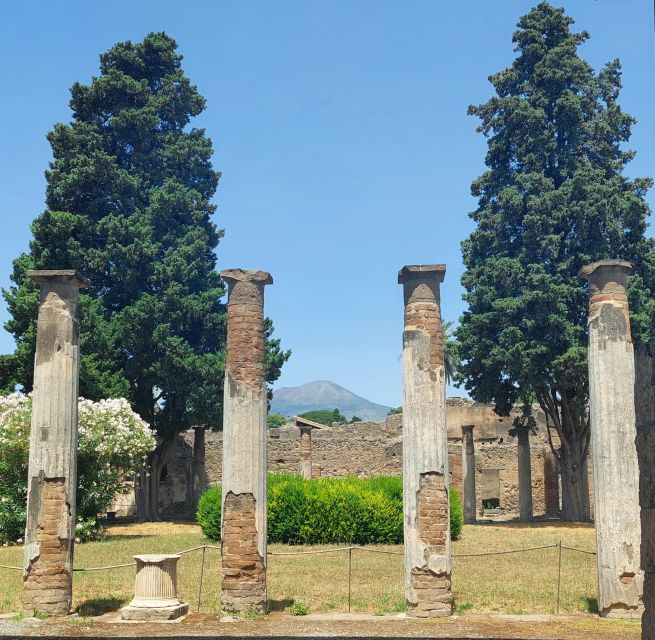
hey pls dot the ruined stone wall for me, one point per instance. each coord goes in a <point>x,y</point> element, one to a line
<point>369,449</point>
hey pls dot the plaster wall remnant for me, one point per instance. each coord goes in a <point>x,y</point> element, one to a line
<point>468,474</point>
<point>425,446</point>
<point>525,476</point>
<point>155,589</point>
<point>613,432</point>
<point>52,471</point>
<point>244,445</point>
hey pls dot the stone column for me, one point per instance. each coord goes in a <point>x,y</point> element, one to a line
<point>425,446</point>
<point>525,476</point>
<point>155,589</point>
<point>551,484</point>
<point>244,445</point>
<point>306,452</point>
<point>198,472</point>
<point>613,432</point>
<point>52,472</point>
<point>468,474</point>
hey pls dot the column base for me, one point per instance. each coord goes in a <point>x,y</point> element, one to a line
<point>154,612</point>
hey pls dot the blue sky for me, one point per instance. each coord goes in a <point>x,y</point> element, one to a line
<point>341,130</point>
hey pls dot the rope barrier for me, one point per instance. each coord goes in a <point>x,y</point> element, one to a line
<point>336,550</point>
<point>591,553</point>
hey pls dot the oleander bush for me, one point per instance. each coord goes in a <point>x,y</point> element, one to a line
<point>328,510</point>
<point>113,443</point>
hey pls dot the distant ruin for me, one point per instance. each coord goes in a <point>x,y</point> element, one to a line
<point>369,449</point>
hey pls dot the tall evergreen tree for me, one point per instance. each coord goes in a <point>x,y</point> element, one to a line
<point>128,205</point>
<point>553,198</point>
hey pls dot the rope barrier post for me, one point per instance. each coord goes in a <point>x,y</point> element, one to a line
<point>559,575</point>
<point>202,573</point>
<point>350,574</point>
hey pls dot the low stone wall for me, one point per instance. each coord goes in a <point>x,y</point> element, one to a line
<point>368,449</point>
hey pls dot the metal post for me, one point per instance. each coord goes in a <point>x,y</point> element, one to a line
<point>350,573</point>
<point>559,574</point>
<point>202,573</point>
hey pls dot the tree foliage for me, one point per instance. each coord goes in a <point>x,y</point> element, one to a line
<point>325,416</point>
<point>129,205</point>
<point>552,199</point>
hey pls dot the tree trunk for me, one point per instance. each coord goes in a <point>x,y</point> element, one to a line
<point>575,480</point>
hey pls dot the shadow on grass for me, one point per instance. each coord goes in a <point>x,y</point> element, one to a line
<point>537,523</point>
<point>99,606</point>
<point>280,605</point>
<point>113,537</point>
<point>590,605</point>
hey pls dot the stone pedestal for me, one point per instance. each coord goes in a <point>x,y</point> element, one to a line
<point>244,445</point>
<point>468,475</point>
<point>613,432</point>
<point>155,589</point>
<point>306,452</point>
<point>425,446</point>
<point>52,473</point>
<point>525,476</point>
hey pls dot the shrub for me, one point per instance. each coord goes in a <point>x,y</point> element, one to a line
<point>113,441</point>
<point>208,514</point>
<point>328,510</point>
<point>456,513</point>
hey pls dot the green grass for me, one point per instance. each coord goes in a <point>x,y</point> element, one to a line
<point>525,583</point>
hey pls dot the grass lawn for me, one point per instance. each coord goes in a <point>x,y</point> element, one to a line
<point>515,583</point>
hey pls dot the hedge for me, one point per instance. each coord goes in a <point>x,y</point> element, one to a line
<point>328,510</point>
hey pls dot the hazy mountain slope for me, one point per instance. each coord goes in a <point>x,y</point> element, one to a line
<point>323,394</point>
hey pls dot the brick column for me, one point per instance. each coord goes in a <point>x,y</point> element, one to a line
<point>468,474</point>
<point>425,446</point>
<point>525,476</point>
<point>244,445</point>
<point>52,473</point>
<point>306,452</point>
<point>613,432</point>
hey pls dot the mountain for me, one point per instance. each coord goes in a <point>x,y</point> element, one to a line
<point>323,394</point>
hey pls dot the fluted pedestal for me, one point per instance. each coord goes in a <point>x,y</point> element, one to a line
<point>155,589</point>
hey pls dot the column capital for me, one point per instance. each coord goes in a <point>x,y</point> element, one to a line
<point>244,275</point>
<point>421,282</point>
<point>606,272</point>
<point>58,276</point>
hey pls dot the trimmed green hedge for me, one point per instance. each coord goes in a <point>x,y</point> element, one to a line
<point>329,510</point>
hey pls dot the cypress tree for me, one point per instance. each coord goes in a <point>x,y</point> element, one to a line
<point>553,198</point>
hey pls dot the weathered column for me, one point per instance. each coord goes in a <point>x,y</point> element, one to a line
<point>306,452</point>
<point>525,476</point>
<point>613,432</point>
<point>244,445</point>
<point>52,473</point>
<point>425,446</point>
<point>155,589</point>
<point>551,484</point>
<point>468,474</point>
<point>199,475</point>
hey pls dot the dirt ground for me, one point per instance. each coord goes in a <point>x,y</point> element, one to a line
<point>283,625</point>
